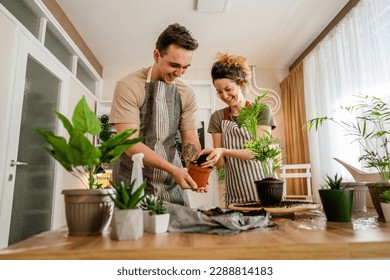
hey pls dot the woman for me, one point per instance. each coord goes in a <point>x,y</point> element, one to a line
<point>230,75</point>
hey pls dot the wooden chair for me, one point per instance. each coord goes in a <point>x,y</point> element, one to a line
<point>289,171</point>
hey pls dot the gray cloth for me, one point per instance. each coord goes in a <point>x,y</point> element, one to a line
<point>185,219</point>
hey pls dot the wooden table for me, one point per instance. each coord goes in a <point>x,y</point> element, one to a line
<point>307,236</point>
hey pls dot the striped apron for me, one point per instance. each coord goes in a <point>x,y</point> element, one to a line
<point>160,116</point>
<point>240,175</point>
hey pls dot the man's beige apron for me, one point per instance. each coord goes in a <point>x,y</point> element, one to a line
<point>160,116</point>
<point>240,175</point>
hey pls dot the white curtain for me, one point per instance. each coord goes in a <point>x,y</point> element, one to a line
<point>354,58</point>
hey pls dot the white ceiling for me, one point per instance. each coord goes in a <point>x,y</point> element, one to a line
<point>271,33</point>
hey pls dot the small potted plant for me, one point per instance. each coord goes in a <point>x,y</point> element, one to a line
<point>267,151</point>
<point>87,210</point>
<point>385,204</point>
<point>127,221</point>
<point>156,216</point>
<point>198,173</point>
<point>336,201</point>
<point>370,129</point>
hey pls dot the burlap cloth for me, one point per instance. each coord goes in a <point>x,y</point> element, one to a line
<point>185,219</point>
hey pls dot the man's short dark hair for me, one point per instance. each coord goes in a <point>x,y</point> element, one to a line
<point>176,34</point>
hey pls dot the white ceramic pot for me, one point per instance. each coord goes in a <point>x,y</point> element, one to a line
<point>158,223</point>
<point>359,195</point>
<point>146,219</point>
<point>127,224</point>
<point>386,211</point>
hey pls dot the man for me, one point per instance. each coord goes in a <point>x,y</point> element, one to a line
<point>157,103</point>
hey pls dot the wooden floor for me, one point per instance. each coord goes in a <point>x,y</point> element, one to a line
<point>303,237</point>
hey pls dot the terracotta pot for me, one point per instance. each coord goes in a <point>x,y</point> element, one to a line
<point>88,212</point>
<point>376,189</point>
<point>270,191</point>
<point>337,204</point>
<point>199,174</point>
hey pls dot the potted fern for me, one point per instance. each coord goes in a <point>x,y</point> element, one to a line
<point>267,151</point>
<point>88,210</point>
<point>385,204</point>
<point>336,201</point>
<point>156,216</point>
<point>127,221</point>
<point>370,128</point>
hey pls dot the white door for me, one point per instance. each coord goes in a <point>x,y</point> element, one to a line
<point>27,204</point>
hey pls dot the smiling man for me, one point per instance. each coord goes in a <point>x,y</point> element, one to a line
<point>157,103</point>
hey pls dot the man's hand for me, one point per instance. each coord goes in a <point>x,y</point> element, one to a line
<point>185,181</point>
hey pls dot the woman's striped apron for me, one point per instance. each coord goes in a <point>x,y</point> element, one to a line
<point>240,175</point>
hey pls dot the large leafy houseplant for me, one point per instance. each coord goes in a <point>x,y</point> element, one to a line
<point>87,210</point>
<point>370,128</point>
<point>78,155</point>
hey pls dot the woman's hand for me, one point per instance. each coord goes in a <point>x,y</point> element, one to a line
<point>215,155</point>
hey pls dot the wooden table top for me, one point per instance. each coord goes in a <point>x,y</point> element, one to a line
<point>307,236</point>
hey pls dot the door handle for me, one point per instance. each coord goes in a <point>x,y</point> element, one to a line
<point>15,163</point>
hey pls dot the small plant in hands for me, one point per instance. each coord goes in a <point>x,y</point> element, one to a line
<point>154,205</point>
<point>126,196</point>
<point>333,183</point>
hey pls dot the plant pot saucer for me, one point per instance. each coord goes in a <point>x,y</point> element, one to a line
<point>286,208</point>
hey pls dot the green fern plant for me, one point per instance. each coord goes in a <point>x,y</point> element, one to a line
<point>126,196</point>
<point>266,148</point>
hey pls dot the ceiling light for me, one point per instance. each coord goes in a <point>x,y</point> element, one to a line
<point>212,6</point>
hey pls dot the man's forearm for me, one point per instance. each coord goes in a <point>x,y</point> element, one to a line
<point>151,158</point>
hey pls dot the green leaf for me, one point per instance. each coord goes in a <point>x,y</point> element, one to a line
<point>83,152</point>
<point>66,123</point>
<point>84,119</point>
<point>60,150</point>
<point>125,197</point>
